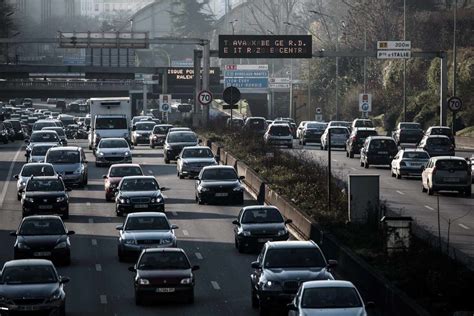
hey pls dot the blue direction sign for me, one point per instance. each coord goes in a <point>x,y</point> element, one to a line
<point>247,83</point>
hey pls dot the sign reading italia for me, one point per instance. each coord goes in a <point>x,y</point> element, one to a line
<point>265,46</point>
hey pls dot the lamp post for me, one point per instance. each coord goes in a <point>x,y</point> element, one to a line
<point>404,63</point>
<point>233,62</point>
<point>454,59</point>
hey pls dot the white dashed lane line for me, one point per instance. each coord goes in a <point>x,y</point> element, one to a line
<point>400,192</point>
<point>103,299</point>
<point>94,242</point>
<point>91,221</point>
<point>185,232</point>
<point>150,172</point>
<point>88,203</point>
<point>215,285</point>
<point>98,267</point>
<point>174,213</point>
<point>429,207</point>
<point>463,226</point>
<point>198,255</point>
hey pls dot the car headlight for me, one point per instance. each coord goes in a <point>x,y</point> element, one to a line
<point>60,199</point>
<point>138,134</point>
<point>22,184</point>
<point>237,189</point>
<point>282,232</point>
<point>22,245</point>
<point>101,154</point>
<point>204,189</point>
<point>78,171</point>
<point>272,286</point>
<point>125,135</point>
<point>246,233</point>
<point>143,282</point>
<point>62,244</point>
<point>187,281</point>
<point>55,296</point>
<point>29,199</point>
<point>124,201</point>
<point>165,241</point>
<point>127,153</point>
<point>130,241</point>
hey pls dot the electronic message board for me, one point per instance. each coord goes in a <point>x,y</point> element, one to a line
<point>183,76</point>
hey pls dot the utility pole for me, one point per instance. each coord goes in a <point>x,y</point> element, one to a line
<point>365,60</point>
<point>404,64</point>
<point>454,60</point>
<point>337,72</point>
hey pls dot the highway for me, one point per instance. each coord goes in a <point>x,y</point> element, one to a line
<point>100,285</point>
<point>405,197</point>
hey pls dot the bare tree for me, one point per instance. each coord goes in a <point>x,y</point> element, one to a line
<point>271,14</point>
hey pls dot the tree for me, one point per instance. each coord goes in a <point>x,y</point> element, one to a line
<point>191,18</point>
<point>272,14</point>
<point>7,26</point>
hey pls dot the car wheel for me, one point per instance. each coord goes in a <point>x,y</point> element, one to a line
<point>240,247</point>
<point>366,165</point>
<point>62,309</point>
<point>138,299</point>
<point>119,213</point>
<point>18,196</point>
<point>255,301</point>
<point>304,143</point>
<point>97,164</point>
<point>468,191</point>
<point>152,146</point>
<point>264,310</point>
<point>120,255</point>
<point>290,146</point>
<point>86,180</point>
<point>361,163</point>
<point>392,174</point>
<point>299,142</point>
<point>430,190</point>
<point>399,175</point>
<point>66,214</point>
<point>66,261</point>
<point>423,189</point>
<point>321,146</point>
<point>351,154</point>
<point>190,298</point>
<point>200,201</point>
<point>167,161</point>
<point>347,153</point>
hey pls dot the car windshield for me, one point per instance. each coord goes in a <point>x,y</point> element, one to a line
<point>37,170</point>
<point>40,150</point>
<point>410,125</point>
<point>59,131</point>
<point>415,155</point>
<point>264,215</point>
<point>16,125</point>
<point>182,137</point>
<point>280,130</point>
<point>294,258</point>
<point>197,153</point>
<point>163,261</point>
<point>111,123</point>
<point>330,297</point>
<point>44,137</point>
<point>39,126</point>
<point>219,174</point>
<point>316,126</point>
<point>451,165</point>
<point>139,118</point>
<point>113,143</point>
<point>53,185</point>
<point>147,223</point>
<point>63,156</point>
<point>31,274</point>
<point>161,129</point>
<point>439,141</point>
<point>139,185</point>
<point>144,126</point>
<point>67,120</point>
<point>125,171</point>
<point>35,227</point>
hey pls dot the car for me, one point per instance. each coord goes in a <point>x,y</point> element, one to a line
<point>112,150</point>
<point>163,272</point>
<point>144,230</point>
<point>158,135</point>
<point>32,285</point>
<point>300,129</point>
<point>141,132</point>
<point>447,173</point>
<point>339,136</point>
<point>49,137</point>
<point>471,162</point>
<point>38,151</point>
<point>281,267</point>
<point>378,150</point>
<point>255,124</point>
<point>175,142</point>
<point>340,123</point>
<point>192,159</point>
<point>27,102</point>
<point>139,194</point>
<point>312,132</point>
<point>17,129</point>
<point>437,145</point>
<point>409,162</point>
<point>329,297</point>
<point>32,169</point>
<point>441,130</point>
<point>43,236</point>
<point>235,122</point>
<point>45,195</point>
<point>139,118</point>
<point>356,140</point>
<point>10,130</point>
<point>407,132</point>
<point>39,124</point>
<point>257,224</point>
<point>278,135</point>
<point>219,184</point>
<point>70,163</point>
<point>115,174</point>
<point>61,133</point>
<point>362,123</point>
<point>179,129</point>
<point>4,135</point>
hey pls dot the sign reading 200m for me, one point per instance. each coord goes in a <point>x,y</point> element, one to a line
<point>265,46</point>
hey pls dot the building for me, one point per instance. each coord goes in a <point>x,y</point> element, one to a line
<point>98,8</point>
<point>41,11</point>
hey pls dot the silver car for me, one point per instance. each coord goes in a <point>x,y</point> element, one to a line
<point>339,136</point>
<point>193,159</point>
<point>112,150</point>
<point>32,169</point>
<point>279,134</point>
<point>38,151</point>
<point>328,297</point>
<point>144,230</point>
<point>447,173</point>
<point>50,137</point>
<point>60,131</point>
<point>141,132</point>
<point>70,163</point>
<point>409,163</point>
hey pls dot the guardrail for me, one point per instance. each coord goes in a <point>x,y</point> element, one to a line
<point>71,85</point>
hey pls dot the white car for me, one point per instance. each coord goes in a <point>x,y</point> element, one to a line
<point>409,162</point>
<point>38,151</point>
<point>300,128</point>
<point>32,169</point>
<point>328,297</point>
<point>192,159</point>
<point>279,135</point>
<point>112,150</point>
<point>447,173</point>
<point>339,136</point>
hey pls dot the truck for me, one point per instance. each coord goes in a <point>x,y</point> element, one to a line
<point>110,118</point>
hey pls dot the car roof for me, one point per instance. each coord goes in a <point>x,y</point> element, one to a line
<point>413,150</point>
<point>139,177</point>
<point>437,136</point>
<point>42,217</point>
<point>365,129</point>
<point>113,138</point>
<point>147,214</point>
<point>64,148</point>
<point>163,125</point>
<point>45,121</point>
<point>448,158</point>
<point>47,177</point>
<point>327,283</point>
<point>127,165</point>
<point>145,122</point>
<point>287,244</point>
<point>196,147</point>
<point>219,167</point>
<point>44,131</point>
<point>37,164</point>
<point>444,127</point>
<point>259,207</point>
<point>182,132</point>
<point>379,137</point>
<point>164,250</point>
<point>28,262</point>
<point>43,144</point>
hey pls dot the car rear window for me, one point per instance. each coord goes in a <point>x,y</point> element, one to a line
<point>439,141</point>
<point>279,130</point>
<point>330,297</point>
<point>265,215</point>
<point>147,223</point>
<point>451,165</point>
<point>256,124</point>
<point>366,134</point>
<point>316,126</point>
<point>163,261</point>
<point>294,258</point>
<point>339,131</point>
<point>219,174</point>
<point>416,155</point>
<point>37,170</point>
<point>382,144</point>
<point>364,123</point>
<point>410,126</point>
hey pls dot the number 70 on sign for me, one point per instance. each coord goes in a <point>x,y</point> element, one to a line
<point>205,97</point>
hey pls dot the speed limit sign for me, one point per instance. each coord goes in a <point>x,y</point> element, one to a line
<point>205,97</point>
<point>454,104</point>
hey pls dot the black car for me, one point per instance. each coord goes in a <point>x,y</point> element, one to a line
<point>139,194</point>
<point>257,225</point>
<point>280,269</point>
<point>45,195</point>
<point>437,145</point>
<point>219,184</point>
<point>175,142</point>
<point>10,131</point>
<point>312,132</point>
<point>32,286</point>
<point>378,150</point>
<point>163,273</point>
<point>441,130</point>
<point>356,140</point>
<point>17,129</point>
<point>407,132</point>
<point>41,236</point>
<point>4,137</point>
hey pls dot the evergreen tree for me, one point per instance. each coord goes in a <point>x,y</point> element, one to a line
<point>191,18</point>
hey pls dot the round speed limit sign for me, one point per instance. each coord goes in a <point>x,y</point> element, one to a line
<point>454,104</point>
<point>205,97</point>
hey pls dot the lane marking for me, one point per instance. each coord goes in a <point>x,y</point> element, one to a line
<point>94,242</point>
<point>7,180</point>
<point>463,226</point>
<point>103,299</point>
<point>400,192</point>
<point>91,221</point>
<point>215,285</point>
<point>88,203</point>
<point>429,207</point>
<point>150,172</point>
<point>353,168</point>
<point>98,267</point>
<point>86,189</point>
<point>335,160</point>
<point>198,255</point>
<point>164,196</point>
<point>174,213</point>
<point>185,232</point>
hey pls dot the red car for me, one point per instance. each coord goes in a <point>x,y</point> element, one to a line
<point>115,174</point>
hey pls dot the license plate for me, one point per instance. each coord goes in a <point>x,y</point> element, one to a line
<point>264,239</point>
<point>27,307</point>
<point>451,180</point>
<point>45,207</point>
<point>42,254</point>
<point>383,152</point>
<point>141,206</point>
<point>165,290</point>
<point>222,194</point>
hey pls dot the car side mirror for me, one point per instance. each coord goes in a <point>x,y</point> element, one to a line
<point>197,178</point>
<point>132,269</point>
<point>256,265</point>
<point>63,279</point>
<point>242,177</point>
<point>291,307</point>
<point>68,189</point>
<point>104,176</point>
<point>195,268</point>
<point>199,141</point>
<point>370,305</point>
<point>174,226</point>
<point>86,161</point>
<point>71,232</point>
<point>16,176</point>
<point>13,234</point>
<point>119,227</point>
<point>236,222</point>
<point>288,221</point>
<point>26,155</point>
<point>332,263</point>
<point>164,189</point>
<point>134,128</point>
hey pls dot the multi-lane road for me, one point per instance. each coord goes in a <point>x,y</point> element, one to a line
<point>100,285</point>
<point>405,197</point>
